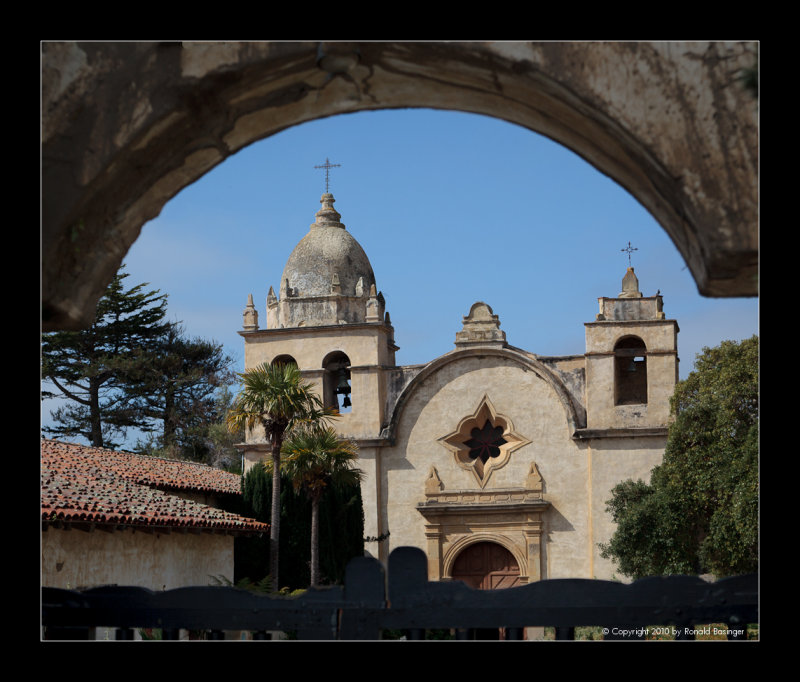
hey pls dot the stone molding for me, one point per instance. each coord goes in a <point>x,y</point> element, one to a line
<point>525,360</point>
<point>456,441</point>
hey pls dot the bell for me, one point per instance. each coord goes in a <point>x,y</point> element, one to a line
<point>343,387</point>
<point>346,402</point>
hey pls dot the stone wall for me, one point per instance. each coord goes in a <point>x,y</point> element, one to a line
<point>576,481</point>
<point>125,126</point>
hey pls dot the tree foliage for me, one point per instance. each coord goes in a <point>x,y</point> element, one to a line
<point>341,531</point>
<point>276,398</point>
<point>175,387</point>
<point>699,512</point>
<point>316,460</point>
<point>86,367</point>
<point>133,369</point>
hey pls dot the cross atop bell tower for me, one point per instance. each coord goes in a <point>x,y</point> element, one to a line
<point>327,166</point>
<point>630,249</point>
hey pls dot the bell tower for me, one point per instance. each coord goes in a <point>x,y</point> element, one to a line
<point>631,361</point>
<point>331,321</point>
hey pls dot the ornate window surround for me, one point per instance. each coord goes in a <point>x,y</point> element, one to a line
<point>457,441</point>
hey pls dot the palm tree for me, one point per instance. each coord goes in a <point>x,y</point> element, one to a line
<point>276,398</point>
<point>317,458</point>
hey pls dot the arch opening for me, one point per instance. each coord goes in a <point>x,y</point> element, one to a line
<point>284,359</point>
<point>132,159</point>
<point>630,371</point>
<point>486,566</point>
<point>336,387</point>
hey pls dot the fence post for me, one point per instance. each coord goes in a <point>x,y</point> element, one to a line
<point>364,599</point>
<point>565,633</point>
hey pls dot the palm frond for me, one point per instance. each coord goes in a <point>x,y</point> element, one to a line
<point>275,394</point>
<point>317,457</point>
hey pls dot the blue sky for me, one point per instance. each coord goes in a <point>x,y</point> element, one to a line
<point>451,208</point>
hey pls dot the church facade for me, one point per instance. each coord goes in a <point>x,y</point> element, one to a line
<point>495,461</point>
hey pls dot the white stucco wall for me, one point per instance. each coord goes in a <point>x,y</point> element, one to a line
<point>577,474</point>
<point>73,559</point>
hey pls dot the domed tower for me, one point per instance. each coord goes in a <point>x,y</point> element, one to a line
<point>329,319</point>
<point>327,280</point>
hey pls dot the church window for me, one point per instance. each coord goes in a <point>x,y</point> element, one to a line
<point>485,442</point>
<point>630,371</point>
<point>336,387</point>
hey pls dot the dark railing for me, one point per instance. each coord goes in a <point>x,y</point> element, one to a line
<point>368,604</point>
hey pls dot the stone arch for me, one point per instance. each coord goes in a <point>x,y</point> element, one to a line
<point>524,360</point>
<point>336,367</point>
<point>127,125</point>
<point>284,359</point>
<point>630,371</point>
<point>457,548</point>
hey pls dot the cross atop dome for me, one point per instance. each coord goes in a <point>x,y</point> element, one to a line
<point>327,166</point>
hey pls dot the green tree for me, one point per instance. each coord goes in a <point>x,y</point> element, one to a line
<point>699,513</point>
<point>220,442</point>
<point>317,459</point>
<point>341,530</point>
<point>86,366</point>
<point>276,398</point>
<point>174,385</point>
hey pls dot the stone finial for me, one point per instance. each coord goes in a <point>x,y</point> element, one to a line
<point>433,484</point>
<point>250,315</point>
<point>534,480</point>
<point>375,306</point>
<point>481,326</point>
<point>272,299</point>
<point>327,216</point>
<point>360,287</point>
<point>336,287</point>
<point>601,315</point>
<point>630,286</point>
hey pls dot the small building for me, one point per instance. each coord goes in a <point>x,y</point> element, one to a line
<point>119,518</point>
<point>494,460</point>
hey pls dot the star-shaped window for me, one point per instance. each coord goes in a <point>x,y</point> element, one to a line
<point>483,441</point>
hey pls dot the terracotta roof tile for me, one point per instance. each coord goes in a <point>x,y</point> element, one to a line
<point>82,484</point>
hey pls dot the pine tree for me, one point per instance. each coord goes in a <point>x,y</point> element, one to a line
<point>174,386</point>
<point>87,366</point>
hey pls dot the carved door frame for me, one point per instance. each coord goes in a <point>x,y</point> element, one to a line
<point>511,518</point>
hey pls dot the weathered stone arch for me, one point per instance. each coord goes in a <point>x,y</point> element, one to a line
<point>524,360</point>
<point>125,126</point>
<point>467,540</point>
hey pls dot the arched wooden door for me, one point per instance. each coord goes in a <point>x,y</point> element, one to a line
<point>486,566</point>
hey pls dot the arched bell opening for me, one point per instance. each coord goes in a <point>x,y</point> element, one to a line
<point>630,371</point>
<point>336,388</point>
<point>284,360</point>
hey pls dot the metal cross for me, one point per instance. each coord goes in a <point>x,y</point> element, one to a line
<point>327,166</point>
<point>630,250</point>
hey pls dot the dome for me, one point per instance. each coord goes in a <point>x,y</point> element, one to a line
<point>328,252</point>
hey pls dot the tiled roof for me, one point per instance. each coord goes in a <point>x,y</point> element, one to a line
<point>82,484</point>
